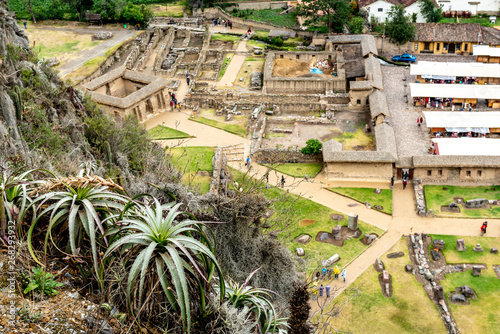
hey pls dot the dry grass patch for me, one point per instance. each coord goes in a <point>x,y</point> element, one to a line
<point>251,64</point>
<point>306,222</point>
<point>63,45</point>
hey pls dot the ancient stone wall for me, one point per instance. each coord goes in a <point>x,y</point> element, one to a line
<point>359,170</point>
<point>165,49</point>
<point>285,156</point>
<point>457,175</point>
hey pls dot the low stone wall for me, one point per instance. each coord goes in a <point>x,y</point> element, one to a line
<point>285,156</point>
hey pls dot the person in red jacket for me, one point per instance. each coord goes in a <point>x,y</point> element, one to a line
<point>483,228</point>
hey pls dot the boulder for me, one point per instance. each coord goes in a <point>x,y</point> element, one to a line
<point>304,239</point>
<point>368,205</point>
<point>378,191</point>
<point>379,264</point>
<point>453,205</point>
<point>438,244</point>
<point>369,238</point>
<point>324,236</point>
<point>357,234</point>
<point>458,298</point>
<point>409,268</point>
<point>461,245</point>
<point>494,250</point>
<point>478,248</point>
<point>300,252</point>
<point>467,291</point>
<point>336,232</point>
<point>476,203</point>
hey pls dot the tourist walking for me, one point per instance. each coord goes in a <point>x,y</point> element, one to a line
<point>175,103</point>
<point>483,228</point>
<point>327,290</point>
<point>418,121</point>
<point>282,181</point>
<point>323,273</point>
<point>405,182</point>
<point>25,25</point>
<point>336,271</point>
<point>344,274</point>
<point>179,106</point>
<point>321,290</point>
<point>187,79</point>
<point>392,182</point>
<point>267,177</point>
<point>171,105</point>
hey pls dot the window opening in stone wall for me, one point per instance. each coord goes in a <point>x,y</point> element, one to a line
<point>381,9</point>
<point>437,46</point>
<point>479,173</point>
<point>468,173</point>
<point>297,56</point>
<point>440,172</point>
<point>466,47</point>
<point>429,172</point>
<point>358,102</point>
<point>281,56</point>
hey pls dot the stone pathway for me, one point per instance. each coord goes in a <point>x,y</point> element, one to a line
<point>234,66</point>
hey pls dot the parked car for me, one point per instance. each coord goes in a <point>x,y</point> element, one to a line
<point>404,58</point>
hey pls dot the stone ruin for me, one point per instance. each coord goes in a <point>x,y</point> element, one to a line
<point>352,221</point>
<point>256,81</point>
<point>418,188</point>
<point>336,232</point>
<point>476,203</point>
<point>478,248</point>
<point>476,270</point>
<point>331,261</point>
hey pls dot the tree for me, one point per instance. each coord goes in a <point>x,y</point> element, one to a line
<point>399,28</point>
<point>332,13</point>
<point>313,146</point>
<point>429,11</point>
<point>356,24</point>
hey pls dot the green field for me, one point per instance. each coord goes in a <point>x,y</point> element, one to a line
<point>367,195</point>
<point>481,316</point>
<point>225,64</point>
<point>484,21</point>
<point>298,169</point>
<point>196,164</point>
<point>236,129</point>
<point>160,132</point>
<point>435,197</point>
<point>225,37</point>
<point>409,310</point>
<point>271,16</point>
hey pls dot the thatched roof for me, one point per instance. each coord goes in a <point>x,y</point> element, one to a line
<point>378,104</point>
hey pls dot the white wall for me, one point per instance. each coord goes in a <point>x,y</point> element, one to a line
<point>373,10</point>
<point>489,6</point>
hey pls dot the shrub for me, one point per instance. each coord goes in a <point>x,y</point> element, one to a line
<point>40,281</point>
<point>356,24</point>
<point>277,41</point>
<point>313,146</point>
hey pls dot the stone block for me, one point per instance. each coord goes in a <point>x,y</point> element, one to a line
<point>300,252</point>
<point>478,248</point>
<point>438,292</point>
<point>476,270</point>
<point>395,255</point>
<point>352,221</point>
<point>458,298</point>
<point>369,238</point>
<point>368,205</point>
<point>494,250</point>
<point>332,260</point>
<point>385,276</point>
<point>467,291</point>
<point>336,232</point>
<point>409,268</point>
<point>378,191</point>
<point>453,205</point>
<point>435,255</point>
<point>304,239</point>
<point>379,264</point>
<point>461,245</point>
<point>324,236</point>
<point>357,234</point>
<point>438,244</point>
<point>476,203</point>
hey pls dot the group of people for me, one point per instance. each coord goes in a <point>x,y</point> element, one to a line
<point>326,274</point>
<point>173,102</point>
<point>225,23</point>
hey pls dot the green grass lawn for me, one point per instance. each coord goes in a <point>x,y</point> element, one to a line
<point>367,195</point>
<point>409,310</point>
<point>469,256</point>
<point>196,163</point>
<point>484,21</point>
<point>174,9</point>
<point>236,129</point>
<point>298,169</point>
<point>225,64</point>
<point>292,209</point>
<point>271,16</point>
<point>160,132</point>
<point>435,197</point>
<point>482,315</point>
<point>225,37</point>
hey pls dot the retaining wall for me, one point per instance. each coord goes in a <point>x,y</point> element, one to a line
<point>285,156</point>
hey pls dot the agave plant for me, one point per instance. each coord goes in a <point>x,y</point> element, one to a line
<point>14,198</point>
<point>178,250</point>
<point>82,205</point>
<point>242,295</point>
